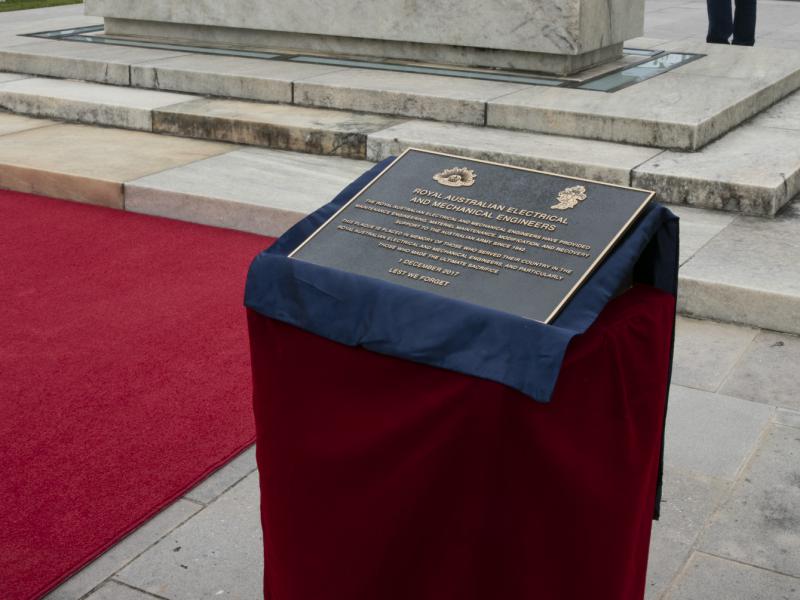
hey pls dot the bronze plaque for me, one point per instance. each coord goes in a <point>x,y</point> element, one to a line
<point>508,238</point>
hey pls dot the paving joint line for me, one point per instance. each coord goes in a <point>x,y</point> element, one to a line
<point>677,577</point>
<point>140,590</point>
<point>744,468</point>
<point>128,562</point>
<point>221,494</point>
<point>746,564</point>
<point>731,369</point>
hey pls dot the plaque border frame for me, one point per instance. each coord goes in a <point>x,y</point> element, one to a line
<point>589,271</point>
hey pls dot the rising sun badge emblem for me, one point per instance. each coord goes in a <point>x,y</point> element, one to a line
<point>456,177</point>
<point>570,197</point>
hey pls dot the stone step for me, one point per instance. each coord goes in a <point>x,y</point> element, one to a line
<point>249,189</point>
<point>754,170</point>
<point>677,109</point>
<point>84,163</point>
<point>590,159</point>
<point>278,126</point>
<point>739,269</point>
<point>83,102</point>
<point>748,273</point>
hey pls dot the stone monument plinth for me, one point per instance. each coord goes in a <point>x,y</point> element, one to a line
<point>559,37</point>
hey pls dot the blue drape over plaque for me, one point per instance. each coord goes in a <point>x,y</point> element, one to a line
<point>427,328</point>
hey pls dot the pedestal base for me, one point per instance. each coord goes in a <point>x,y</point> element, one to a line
<point>464,56</point>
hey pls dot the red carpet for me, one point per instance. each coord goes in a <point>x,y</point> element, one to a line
<point>124,376</point>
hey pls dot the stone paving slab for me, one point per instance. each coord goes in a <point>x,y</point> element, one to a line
<point>74,60</point>
<point>90,164</point>
<point>678,109</point>
<point>83,102</point>
<point>124,551</point>
<point>16,123</point>
<point>646,43</point>
<point>218,554</point>
<point>224,478</point>
<point>760,524</point>
<point>252,189</point>
<point>38,14</point>
<point>753,170</point>
<point>698,227</point>
<point>712,434</point>
<point>788,417</point>
<point>749,273</point>
<point>768,371</point>
<point>688,501</point>
<point>6,77</point>
<point>225,76</point>
<point>712,578</point>
<point>449,99</point>
<point>277,126</point>
<point>12,32</point>
<point>601,161</point>
<point>118,591</point>
<point>706,352</point>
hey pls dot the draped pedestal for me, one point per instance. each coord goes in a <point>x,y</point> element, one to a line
<point>382,478</point>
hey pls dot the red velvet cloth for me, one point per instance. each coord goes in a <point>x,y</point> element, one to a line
<point>383,479</point>
<point>124,376</point>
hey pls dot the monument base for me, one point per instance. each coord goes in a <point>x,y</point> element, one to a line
<point>461,56</point>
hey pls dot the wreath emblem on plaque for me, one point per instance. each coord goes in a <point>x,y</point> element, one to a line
<point>456,177</point>
<point>570,197</point>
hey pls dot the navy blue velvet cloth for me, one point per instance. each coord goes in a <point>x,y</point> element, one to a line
<point>428,328</point>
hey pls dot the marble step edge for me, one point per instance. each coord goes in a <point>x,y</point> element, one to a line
<point>362,135</point>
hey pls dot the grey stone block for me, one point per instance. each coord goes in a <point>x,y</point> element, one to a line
<point>768,372</point>
<point>83,102</point>
<point>601,161</point>
<point>706,351</point>
<point>688,501</point>
<point>456,100</point>
<point>749,273</point>
<point>217,554</point>
<point>225,76</point>
<point>70,60</point>
<point>712,434</point>
<point>224,478</point>
<point>760,524</point>
<point>124,551</point>
<point>276,126</point>
<point>753,170</point>
<point>255,190</point>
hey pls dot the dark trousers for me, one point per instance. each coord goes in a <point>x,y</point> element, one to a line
<point>722,23</point>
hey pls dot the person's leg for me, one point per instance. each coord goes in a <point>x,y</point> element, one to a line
<point>720,21</point>
<point>744,24</point>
